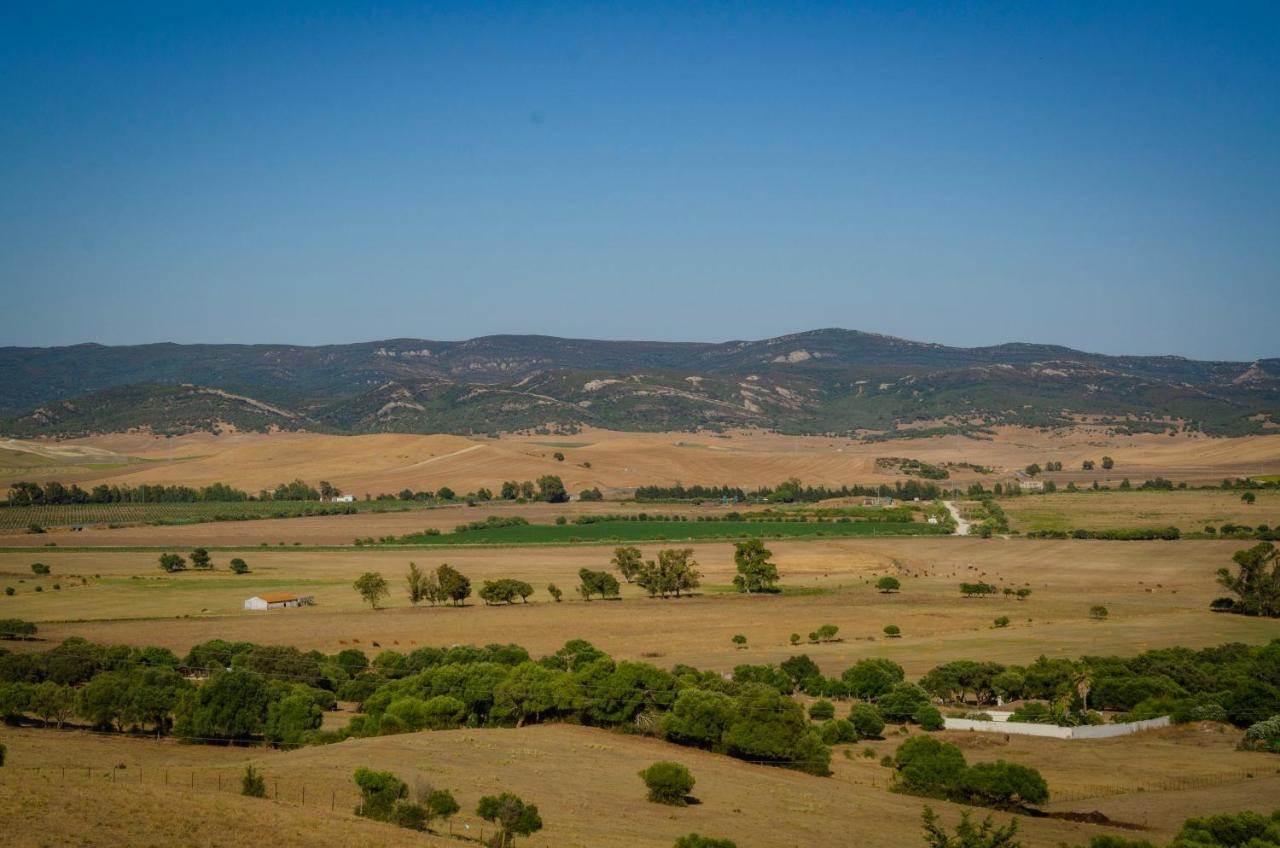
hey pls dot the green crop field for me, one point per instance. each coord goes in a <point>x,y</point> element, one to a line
<point>676,531</point>
<point>69,515</point>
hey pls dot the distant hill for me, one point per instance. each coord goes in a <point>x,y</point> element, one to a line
<point>835,381</point>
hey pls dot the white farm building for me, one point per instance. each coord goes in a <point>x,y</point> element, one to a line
<point>278,601</point>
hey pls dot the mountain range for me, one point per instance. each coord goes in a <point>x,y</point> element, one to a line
<point>824,381</point>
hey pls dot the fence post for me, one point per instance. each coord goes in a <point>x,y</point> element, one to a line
<point>333,800</point>
<point>277,794</point>
<point>304,794</point>
<point>219,781</point>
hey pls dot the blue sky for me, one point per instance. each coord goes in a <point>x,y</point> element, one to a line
<point>1102,175</point>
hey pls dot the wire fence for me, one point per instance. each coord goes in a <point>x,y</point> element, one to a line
<point>1167,784</point>
<point>311,795</point>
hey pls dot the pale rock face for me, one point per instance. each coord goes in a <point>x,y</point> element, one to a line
<point>794,356</point>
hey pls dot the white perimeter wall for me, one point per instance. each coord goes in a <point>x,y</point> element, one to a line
<point>1022,728</point>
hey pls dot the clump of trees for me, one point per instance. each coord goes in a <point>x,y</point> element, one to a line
<point>668,783</point>
<point>446,584</point>
<point>505,591</point>
<point>600,583</point>
<point>16,628</point>
<point>977,590</point>
<point>927,766</point>
<point>674,572</point>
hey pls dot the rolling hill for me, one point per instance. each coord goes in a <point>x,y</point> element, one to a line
<point>825,381</point>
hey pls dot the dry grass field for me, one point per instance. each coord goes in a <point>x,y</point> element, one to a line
<point>1188,510</point>
<point>584,781</point>
<point>1158,594</point>
<point>621,461</point>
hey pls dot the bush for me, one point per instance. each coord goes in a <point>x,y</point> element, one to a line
<point>838,731</point>
<point>668,783</point>
<point>930,718</point>
<point>1002,621</point>
<point>409,815</point>
<point>1003,785</point>
<point>693,840</point>
<point>821,710</point>
<point>239,566</point>
<point>927,766</point>
<point>39,568</point>
<point>1263,736</point>
<point>902,701</point>
<point>253,784</point>
<point>867,721</point>
<point>893,631</point>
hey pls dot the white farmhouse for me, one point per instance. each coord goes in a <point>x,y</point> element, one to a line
<point>278,600</point>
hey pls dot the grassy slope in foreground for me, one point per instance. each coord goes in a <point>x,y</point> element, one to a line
<point>647,531</point>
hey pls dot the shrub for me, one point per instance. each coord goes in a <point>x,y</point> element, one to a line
<point>441,804</point>
<point>902,701</point>
<point>1001,784</point>
<point>39,568</point>
<point>893,631</point>
<point>927,766</point>
<point>866,720</point>
<point>9,590</point>
<point>1098,612</point>
<point>410,815</point>
<point>838,731</point>
<point>821,710</point>
<point>1002,621</point>
<point>930,718</point>
<point>668,783</point>
<point>693,840</point>
<point>555,592</point>
<point>1263,736</point>
<point>795,637</point>
<point>253,784</point>
<point>239,566</point>
<point>740,640</point>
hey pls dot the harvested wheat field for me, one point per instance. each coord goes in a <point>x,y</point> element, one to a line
<point>584,781</point>
<point>1157,592</point>
<point>618,462</point>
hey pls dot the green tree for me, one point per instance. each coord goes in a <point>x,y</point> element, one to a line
<point>253,784</point>
<point>739,640</point>
<point>551,489</point>
<point>969,835</point>
<point>379,792</point>
<point>822,709</point>
<point>893,631</point>
<point>290,719</point>
<point>674,572</point>
<point>230,705</point>
<point>756,570</point>
<point>511,814</point>
<point>927,766</point>
<point>455,587</point>
<point>558,456</point>
<point>600,583</point>
<point>1256,581</point>
<point>628,562</point>
<point>871,679</point>
<point>699,717</point>
<point>554,591</point>
<point>1001,621</point>
<point>441,804</point>
<point>39,568</point>
<point>201,560</point>
<point>172,563</point>
<point>372,586</point>
<point>888,584</point>
<point>668,783</point>
<point>416,581</point>
<point>52,702</point>
<point>1098,612</point>
<point>1249,497</point>
<point>239,566</point>
<point>866,720</point>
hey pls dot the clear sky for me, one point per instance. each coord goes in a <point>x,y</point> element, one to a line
<point>1103,175</point>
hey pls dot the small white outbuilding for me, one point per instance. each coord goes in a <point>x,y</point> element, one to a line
<point>278,600</point>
